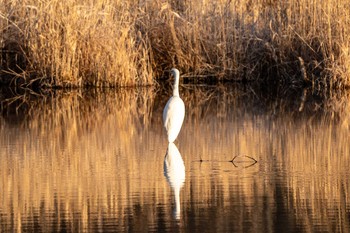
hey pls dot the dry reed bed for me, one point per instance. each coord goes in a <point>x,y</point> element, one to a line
<point>118,43</point>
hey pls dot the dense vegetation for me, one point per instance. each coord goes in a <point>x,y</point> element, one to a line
<point>128,43</point>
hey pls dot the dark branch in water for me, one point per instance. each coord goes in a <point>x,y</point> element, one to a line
<point>233,159</point>
<point>201,160</point>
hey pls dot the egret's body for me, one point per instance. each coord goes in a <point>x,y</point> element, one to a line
<point>174,111</point>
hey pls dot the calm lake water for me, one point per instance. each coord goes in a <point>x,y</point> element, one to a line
<point>99,161</point>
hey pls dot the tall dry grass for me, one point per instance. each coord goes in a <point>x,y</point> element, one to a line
<point>118,43</point>
<point>72,43</point>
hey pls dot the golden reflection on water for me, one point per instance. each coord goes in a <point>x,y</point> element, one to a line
<point>94,161</point>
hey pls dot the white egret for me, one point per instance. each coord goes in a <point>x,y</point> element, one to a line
<point>174,111</point>
<point>174,171</point>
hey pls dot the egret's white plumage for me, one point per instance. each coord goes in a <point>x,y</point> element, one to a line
<point>174,111</point>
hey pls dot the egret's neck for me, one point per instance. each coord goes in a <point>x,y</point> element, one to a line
<point>176,85</point>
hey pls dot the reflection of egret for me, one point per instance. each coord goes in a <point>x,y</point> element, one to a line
<point>174,171</point>
<point>174,111</point>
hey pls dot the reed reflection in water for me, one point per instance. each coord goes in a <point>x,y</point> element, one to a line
<point>93,161</point>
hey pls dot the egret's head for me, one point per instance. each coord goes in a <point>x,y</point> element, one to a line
<point>175,72</point>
